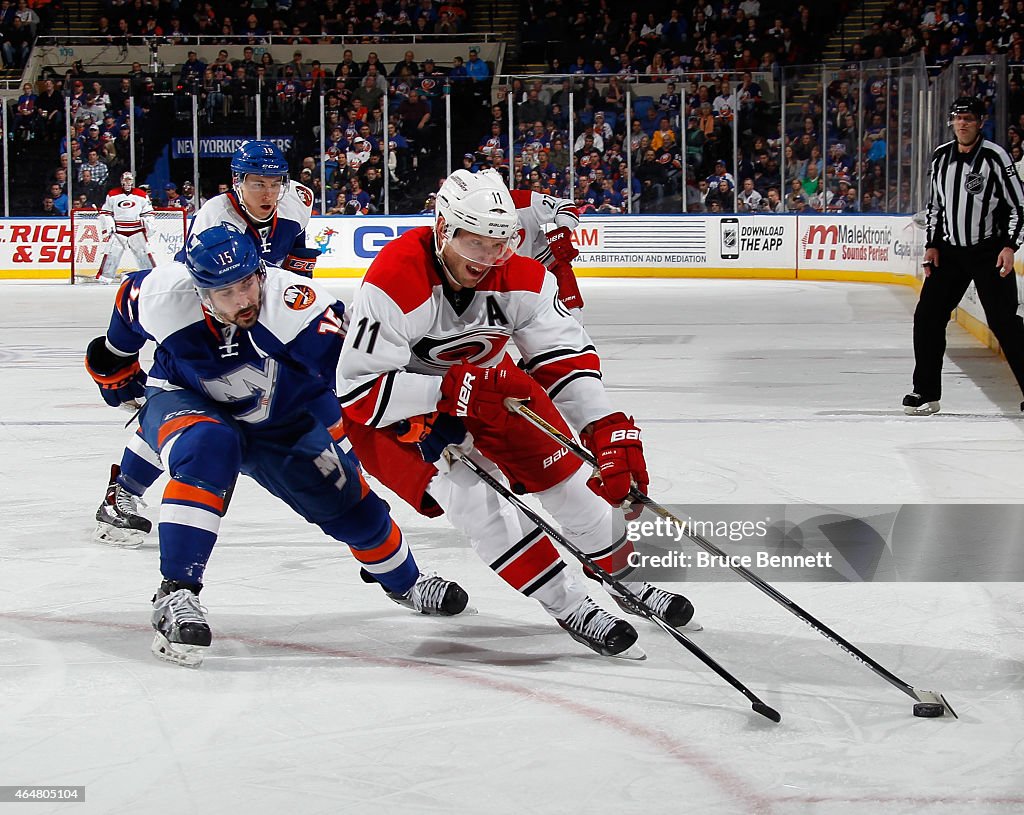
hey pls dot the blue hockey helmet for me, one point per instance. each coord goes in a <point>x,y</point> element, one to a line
<point>258,158</point>
<point>221,256</point>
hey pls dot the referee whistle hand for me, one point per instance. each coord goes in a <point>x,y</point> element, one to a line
<point>1004,263</point>
<point>931,261</point>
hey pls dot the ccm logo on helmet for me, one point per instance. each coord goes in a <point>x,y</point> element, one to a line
<point>622,435</point>
<point>465,392</point>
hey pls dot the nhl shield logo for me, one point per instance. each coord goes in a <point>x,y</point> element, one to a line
<point>973,183</point>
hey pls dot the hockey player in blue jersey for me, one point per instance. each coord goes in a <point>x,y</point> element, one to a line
<point>274,211</point>
<point>242,382</point>
<point>265,203</point>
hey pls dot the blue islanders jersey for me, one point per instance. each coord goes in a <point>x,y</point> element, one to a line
<point>285,363</point>
<point>275,240</point>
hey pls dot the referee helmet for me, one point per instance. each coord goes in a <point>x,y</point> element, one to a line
<point>967,104</point>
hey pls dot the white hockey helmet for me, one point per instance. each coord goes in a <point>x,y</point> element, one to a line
<point>478,204</point>
<point>127,181</point>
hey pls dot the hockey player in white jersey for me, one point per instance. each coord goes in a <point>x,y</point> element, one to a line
<point>274,211</point>
<point>546,224</point>
<point>265,203</point>
<point>424,367</point>
<point>123,218</point>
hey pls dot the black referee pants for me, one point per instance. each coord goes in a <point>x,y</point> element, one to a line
<point>942,292</point>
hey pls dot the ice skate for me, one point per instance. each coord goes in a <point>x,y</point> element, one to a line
<point>916,405</point>
<point>433,595</point>
<point>118,521</point>
<point>674,609</point>
<point>602,632</point>
<point>181,629</point>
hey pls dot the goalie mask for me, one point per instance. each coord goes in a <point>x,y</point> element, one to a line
<point>475,219</point>
<point>127,181</point>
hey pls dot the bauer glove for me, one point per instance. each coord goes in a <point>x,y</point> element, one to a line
<point>615,443</point>
<point>480,393</point>
<point>560,243</point>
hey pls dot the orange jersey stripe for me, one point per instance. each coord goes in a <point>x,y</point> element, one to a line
<point>177,491</point>
<point>337,430</point>
<point>168,429</point>
<point>384,549</point>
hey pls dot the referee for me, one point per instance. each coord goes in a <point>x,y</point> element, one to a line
<point>975,220</point>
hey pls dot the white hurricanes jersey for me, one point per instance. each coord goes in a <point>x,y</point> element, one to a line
<point>408,328</point>
<point>539,214</point>
<point>127,209</point>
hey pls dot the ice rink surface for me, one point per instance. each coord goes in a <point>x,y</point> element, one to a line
<point>321,696</point>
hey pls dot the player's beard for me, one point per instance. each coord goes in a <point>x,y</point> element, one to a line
<point>245,318</point>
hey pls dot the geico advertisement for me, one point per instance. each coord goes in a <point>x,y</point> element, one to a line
<point>349,244</point>
<point>857,243</point>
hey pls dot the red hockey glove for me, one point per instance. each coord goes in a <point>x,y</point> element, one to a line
<point>560,241</point>
<point>480,393</point>
<point>615,442</point>
<point>568,289</point>
<point>120,379</point>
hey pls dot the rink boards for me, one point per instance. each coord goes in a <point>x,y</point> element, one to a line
<point>866,248</point>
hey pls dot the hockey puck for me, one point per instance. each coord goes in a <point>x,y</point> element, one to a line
<point>928,710</point>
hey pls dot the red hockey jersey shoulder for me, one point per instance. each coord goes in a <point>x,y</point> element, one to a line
<point>404,268</point>
<point>520,274</point>
<point>522,198</point>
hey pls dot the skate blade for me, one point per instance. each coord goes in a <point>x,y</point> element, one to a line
<point>122,538</point>
<point>634,653</point>
<point>691,626</point>
<point>187,656</point>
<point>927,409</point>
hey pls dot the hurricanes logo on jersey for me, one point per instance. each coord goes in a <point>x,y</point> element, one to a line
<point>473,346</point>
<point>298,298</point>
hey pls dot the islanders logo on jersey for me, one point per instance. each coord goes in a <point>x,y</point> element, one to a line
<point>323,239</point>
<point>299,297</point>
<point>305,195</point>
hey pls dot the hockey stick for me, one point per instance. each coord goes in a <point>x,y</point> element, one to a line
<point>926,697</point>
<point>628,597</point>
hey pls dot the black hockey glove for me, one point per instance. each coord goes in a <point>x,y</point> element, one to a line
<point>120,379</point>
<point>432,433</point>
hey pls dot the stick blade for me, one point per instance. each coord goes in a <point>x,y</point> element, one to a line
<point>767,712</point>
<point>934,698</point>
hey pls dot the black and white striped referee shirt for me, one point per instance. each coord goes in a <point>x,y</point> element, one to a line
<point>975,196</point>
